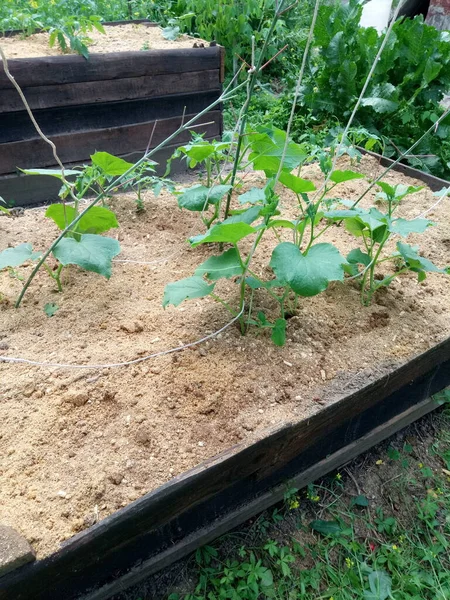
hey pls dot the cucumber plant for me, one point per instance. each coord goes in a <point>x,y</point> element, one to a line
<point>300,267</point>
<point>376,229</point>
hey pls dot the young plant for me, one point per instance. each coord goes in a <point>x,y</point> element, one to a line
<point>376,229</point>
<point>83,245</point>
<point>301,267</point>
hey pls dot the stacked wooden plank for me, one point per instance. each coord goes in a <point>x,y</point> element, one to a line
<point>112,102</point>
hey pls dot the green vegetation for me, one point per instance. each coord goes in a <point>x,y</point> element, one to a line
<point>300,268</point>
<point>374,533</point>
<point>402,101</point>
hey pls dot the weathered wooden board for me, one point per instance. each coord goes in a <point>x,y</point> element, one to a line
<point>60,70</point>
<point>93,92</point>
<point>17,126</point>
<point>38,190</point>
<point>170,518</point>
<point>434,183</point>
<point>78,146</point>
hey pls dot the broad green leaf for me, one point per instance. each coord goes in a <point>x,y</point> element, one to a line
<point>339,214</point>
<point>226,265</point>
<point>358,257</point>
<point>309,274</point>
<point>92,253</point>
<point>404,227</point>
<point>109,164</point>
<point>255,284</point>
<point>417,263</point>
<point>51,172</point>
<point>341,176</point>
<point>61,214</point>
<point>267,146</point>
<point>247,216</point>
<point>380,586</point>
<point>282,223</point>
<point>171,32</point>
<point>14,257</point>
<point>279,332</point>
<point>186,289</point>
<point>327,528</point>
<point>198,197</point>
<point>253,196</point>
<point>231,233</point>
<point>50,309</point>
<point>354,226</point>
<point>380,105</point>
<point>97,220</point>
<point>297,184</point>
<point>398,192</point>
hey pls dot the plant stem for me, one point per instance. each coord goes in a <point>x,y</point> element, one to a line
<point>251,81</point>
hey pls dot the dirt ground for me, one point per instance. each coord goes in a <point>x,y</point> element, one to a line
<point>118,38</point>
<point>77,445</point>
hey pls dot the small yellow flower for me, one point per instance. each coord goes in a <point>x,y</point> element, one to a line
<point>338,476</point>
<point>379,462</point>
<point>349,563</point>
<point>294,504</point>
<point>420,465</point>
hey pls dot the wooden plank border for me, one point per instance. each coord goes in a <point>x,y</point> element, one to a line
<point>78,146</point>
<point>434,183</point>
<point>96,92</point>
<point>177,516</point>
<point>243,513</point>
<point>72,68</point>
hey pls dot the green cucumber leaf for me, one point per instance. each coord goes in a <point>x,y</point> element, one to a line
<point>14,257</point>
<point>296,184</point>
<point>404,227</point>
<point>226,265</point>
<point>110,164</point>
<point>247,216</point>
<point>309,274</point>
<point>231,233</point>
<point>279,332</point>
<point>186,289</point>
<point>92,253</point>
<point>52,172</point>
<point>341,176</point>
<point>253,196</point>
<point>417,263</point>
<point>97,220</point>
<point>198,197</point>
<point>358,257</point>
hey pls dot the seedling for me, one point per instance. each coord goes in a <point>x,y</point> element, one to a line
<point>301,268</point>
<point>376,229</point>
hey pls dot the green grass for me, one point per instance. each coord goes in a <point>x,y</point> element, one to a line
<point>375,530</point>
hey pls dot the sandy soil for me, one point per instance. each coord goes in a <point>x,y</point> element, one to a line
<point>119,38</point>
<point>77,445</point>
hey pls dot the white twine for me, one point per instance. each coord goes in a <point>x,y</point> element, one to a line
<point>13,359</point>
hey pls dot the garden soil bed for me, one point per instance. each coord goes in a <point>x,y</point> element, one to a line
<point>75,446</point>
<point>117,38</point>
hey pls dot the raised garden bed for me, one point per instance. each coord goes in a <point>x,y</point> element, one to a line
<point>110,102</point>
<point>246,416</point>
